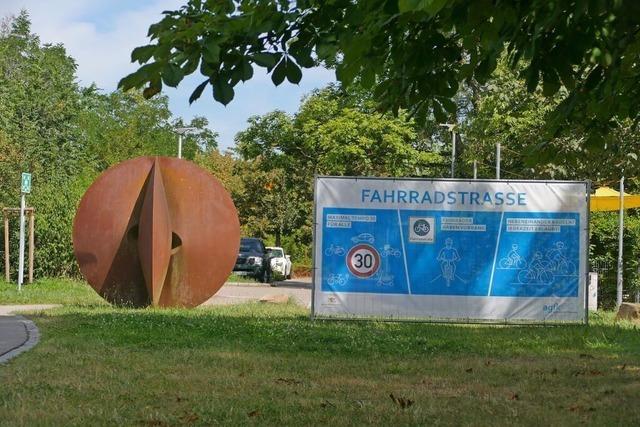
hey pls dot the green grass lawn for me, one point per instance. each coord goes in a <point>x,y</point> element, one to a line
<point>65,291</point>
<point>266,364</point>
<point>50,291</point>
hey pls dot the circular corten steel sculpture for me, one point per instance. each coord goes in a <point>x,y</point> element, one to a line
<point>156,231</point>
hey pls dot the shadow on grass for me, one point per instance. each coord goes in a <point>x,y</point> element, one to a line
<point>288,330</point>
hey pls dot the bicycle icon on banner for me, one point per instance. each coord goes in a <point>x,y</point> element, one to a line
<point>384,276</point>
<point>513,260</point>
<point>543,269</point>
<point>337,280</point>
<point>448,258</point>
<point>334,250</point>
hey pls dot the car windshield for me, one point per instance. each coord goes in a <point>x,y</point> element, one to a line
<point>276,253</point>
<point>250,246</point>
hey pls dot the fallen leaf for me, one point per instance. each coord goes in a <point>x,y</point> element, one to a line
<point>402,402</point>
<point>326,404</point>
<point>514,396</point>
<point>253,413</point>
<point>190,418</point>
<point>360,403</point>
<point>289,381</point>
<point>574,408</point>
<point>595,372</point>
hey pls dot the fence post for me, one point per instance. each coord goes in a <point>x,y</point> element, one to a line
<point>6,246</point>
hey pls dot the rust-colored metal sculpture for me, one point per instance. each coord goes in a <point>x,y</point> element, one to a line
<point>156,230</point>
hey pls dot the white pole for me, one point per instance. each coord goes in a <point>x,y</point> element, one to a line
<point>21,254</point>
<point>453,152</point>
<point>179,145</point>
<point>498,161</point>
<point>475,169</point>
<point>619,282</point>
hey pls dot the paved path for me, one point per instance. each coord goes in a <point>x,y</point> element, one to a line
<point>18,334</point>
<point>233,293</point>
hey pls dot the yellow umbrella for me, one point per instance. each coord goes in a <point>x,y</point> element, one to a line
<point>608,199</point>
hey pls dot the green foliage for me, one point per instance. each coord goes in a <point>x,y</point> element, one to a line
<point>65,136</point>
<point>603,254</point>
<point>415,53</point>
<point>333,133</point>
<point>503,111</point>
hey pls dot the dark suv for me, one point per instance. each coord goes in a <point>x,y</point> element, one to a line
<point>252,259</point>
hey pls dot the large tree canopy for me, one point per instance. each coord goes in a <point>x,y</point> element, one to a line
<point>415,53</point>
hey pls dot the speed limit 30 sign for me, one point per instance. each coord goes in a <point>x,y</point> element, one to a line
<point>363,260</point>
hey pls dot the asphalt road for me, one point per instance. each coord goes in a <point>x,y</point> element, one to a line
<point>233,293</point>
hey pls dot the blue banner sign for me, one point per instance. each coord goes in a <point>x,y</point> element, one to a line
<point>490,250</point>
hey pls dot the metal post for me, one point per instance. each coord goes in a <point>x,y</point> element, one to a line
<point>619,281</point>
<point>453,152</point>
<point>31,243</point>
<point>179,145</point>
<point>498,161</point>
<point>475,169</point>
<point>21,254</point>
<point>6,247</point>
<point>638,291</point>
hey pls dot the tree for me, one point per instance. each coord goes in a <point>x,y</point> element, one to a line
<point>66,135</point>
<point>333,133</point>
<point>504,112</point>
<point>415,53</point>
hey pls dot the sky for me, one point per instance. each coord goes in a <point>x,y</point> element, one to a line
<point>100,35</point>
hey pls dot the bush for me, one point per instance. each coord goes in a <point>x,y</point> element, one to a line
<point>603,250</point>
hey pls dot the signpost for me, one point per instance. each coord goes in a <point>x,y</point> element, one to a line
<point>451,249</point>
<point>25,189</point>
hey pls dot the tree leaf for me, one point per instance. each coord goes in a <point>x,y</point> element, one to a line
<point>430,6</point>
<point>246,70</point>
<point>368,77</point>
<point>294,74</point>
<point>172,75</point>
<point>279,73</point>
<point>265,59</point>
<point>139,77</point>
<point>222,92</point>
<point>211,53</point>
<point>438,112</point>
<point>151,90</point>
<point>448,105</point>
<point>198,91</point>
<point>550,83</point>
<point>143,53</point>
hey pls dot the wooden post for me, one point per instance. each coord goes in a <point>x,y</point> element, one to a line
<point>6,246</point>
<point>31,244</point>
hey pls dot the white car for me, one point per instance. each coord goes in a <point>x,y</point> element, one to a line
<point>280,263</point>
